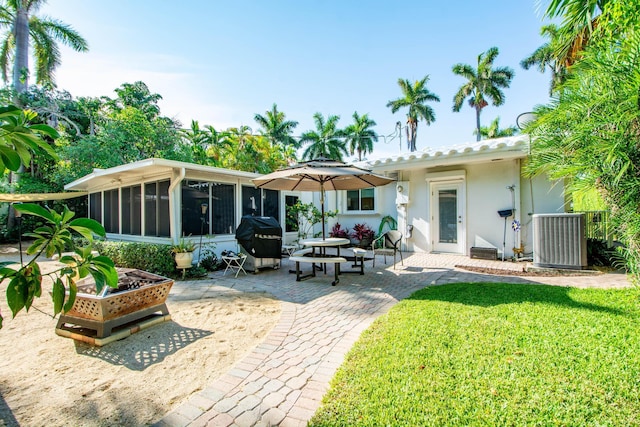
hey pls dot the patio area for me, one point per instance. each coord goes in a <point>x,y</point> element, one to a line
<point>282,381</point>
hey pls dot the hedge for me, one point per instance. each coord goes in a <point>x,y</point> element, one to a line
<point>151,257</point>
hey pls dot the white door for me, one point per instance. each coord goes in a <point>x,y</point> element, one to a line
<point>447,217</point>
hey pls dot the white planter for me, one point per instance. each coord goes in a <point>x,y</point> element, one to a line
<point>183,259</point>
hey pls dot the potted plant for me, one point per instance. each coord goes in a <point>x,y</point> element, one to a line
<point>363,235</point>
<point>183,253</point>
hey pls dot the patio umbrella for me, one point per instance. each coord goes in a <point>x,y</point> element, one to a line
<point>320,175</point>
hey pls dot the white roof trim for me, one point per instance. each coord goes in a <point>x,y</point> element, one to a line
<point>155,165</point>
<point>485,150</point>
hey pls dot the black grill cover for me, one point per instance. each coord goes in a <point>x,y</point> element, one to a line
<point>261,236</point>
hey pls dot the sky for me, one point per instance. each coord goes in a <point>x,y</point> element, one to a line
<point>222,62</point>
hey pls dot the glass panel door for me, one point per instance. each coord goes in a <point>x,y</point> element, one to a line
<point>447,225</point>
<point>448,213</point>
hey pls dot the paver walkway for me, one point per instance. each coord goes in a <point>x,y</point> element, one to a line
<point>282,381</point>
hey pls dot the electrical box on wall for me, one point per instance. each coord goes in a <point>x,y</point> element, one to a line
<point>402,192</point>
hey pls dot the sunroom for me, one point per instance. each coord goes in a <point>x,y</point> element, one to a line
<point>159,201</point>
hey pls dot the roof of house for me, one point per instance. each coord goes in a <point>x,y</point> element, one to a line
<point>146,170</point>
<point>482,151</point>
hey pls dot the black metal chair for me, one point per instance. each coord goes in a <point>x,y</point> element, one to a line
<point>388,244</point>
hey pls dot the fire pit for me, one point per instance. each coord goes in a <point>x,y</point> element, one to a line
<point>139,295</point>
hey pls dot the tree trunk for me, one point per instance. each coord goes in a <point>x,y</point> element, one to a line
<point>21,62</point>
<point>478,136</point>
<point>20,79</point>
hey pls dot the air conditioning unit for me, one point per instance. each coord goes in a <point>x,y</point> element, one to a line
<point>402,192</point>
<point>559,241</point>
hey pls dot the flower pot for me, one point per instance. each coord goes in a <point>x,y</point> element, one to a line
<point>365,243</point>
<point>183,259</point>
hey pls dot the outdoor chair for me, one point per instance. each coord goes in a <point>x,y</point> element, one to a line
<point>388,244</point>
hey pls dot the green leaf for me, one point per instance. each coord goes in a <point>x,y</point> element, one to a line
<point>86,226</point>
<point>10,158</point>
<point>15,295</point>
<point>58,296</point>
<point>45,129</point>
<point>37,210</point>
<point>73,290</point>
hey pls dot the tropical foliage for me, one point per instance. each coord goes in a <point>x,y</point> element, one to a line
<point>360,136</point>
<point>484,84</point>
<point>18,140</point>
<point>325,141</point>
<point>545,57</point>
<point>588,134</point>
<point>276,129</point>
<point>579,20</point>
<point>494,131</point>
<point>415,97</point>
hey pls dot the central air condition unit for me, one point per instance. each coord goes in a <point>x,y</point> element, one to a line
<point>402,192</point>
<point>559,241</point>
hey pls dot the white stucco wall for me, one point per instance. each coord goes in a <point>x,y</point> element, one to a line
<point>485,193</point>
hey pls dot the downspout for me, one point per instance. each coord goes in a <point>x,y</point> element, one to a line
<point>173,216</point>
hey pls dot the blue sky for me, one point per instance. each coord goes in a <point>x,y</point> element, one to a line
<point>221,62</point>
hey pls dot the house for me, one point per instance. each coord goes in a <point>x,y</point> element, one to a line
<point>450,200</point>
<point>158,201</point>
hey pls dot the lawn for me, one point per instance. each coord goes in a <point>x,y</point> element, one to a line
<point>494,354</point>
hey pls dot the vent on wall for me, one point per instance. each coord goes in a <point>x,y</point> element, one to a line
<point>559,241</point>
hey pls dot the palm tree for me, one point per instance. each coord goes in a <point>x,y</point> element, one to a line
<point>276,128</point>
<point>360,136</point>
<point>325,141</point>
<point>494,131</point>
<point>415,96</point>
<point>545,56</point>
<point>484,83</point>
<point>580,18</point>
<point>198,140</point>
<point>24,28</point>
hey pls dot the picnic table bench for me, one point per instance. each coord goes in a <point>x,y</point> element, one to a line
<point>313,260</point>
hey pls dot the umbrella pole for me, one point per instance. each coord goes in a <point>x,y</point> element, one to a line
<point>322,209</point>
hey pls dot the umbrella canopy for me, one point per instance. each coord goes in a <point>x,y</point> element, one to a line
<point>320,175</point>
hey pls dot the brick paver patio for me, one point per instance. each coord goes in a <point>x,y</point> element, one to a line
<point>281,382</point>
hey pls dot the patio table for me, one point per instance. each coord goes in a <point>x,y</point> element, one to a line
<point>323,244</point>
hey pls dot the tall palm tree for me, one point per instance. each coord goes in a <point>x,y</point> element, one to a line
<point>494,131</point>
<point>415,96</point>
<point>545,56</point>
<point>276,129</point>
<point>359,135</point>
<point>483,85</point>
<point>325,141</point>
<point>23,28</point>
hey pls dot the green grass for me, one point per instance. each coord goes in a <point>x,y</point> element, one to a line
<point>494,354</point>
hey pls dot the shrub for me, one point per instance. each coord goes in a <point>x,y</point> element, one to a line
<point>209,260</point>
<point>154,258</point>
<point>363,234</point>
<point>338,231</point>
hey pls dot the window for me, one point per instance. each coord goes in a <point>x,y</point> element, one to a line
<point>220,200</point>
<point>95,206</point>
<point>156,209</point>
<point>194,195</point>
<point>223,219</point>
<point>251,201</point>
<point>291,223</point>
<point>111,212</point>
<point>131,210</point>
<point>361,200</point>
<point>256,201</point>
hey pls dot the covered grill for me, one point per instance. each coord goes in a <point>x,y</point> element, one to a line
<point>260,238</point>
